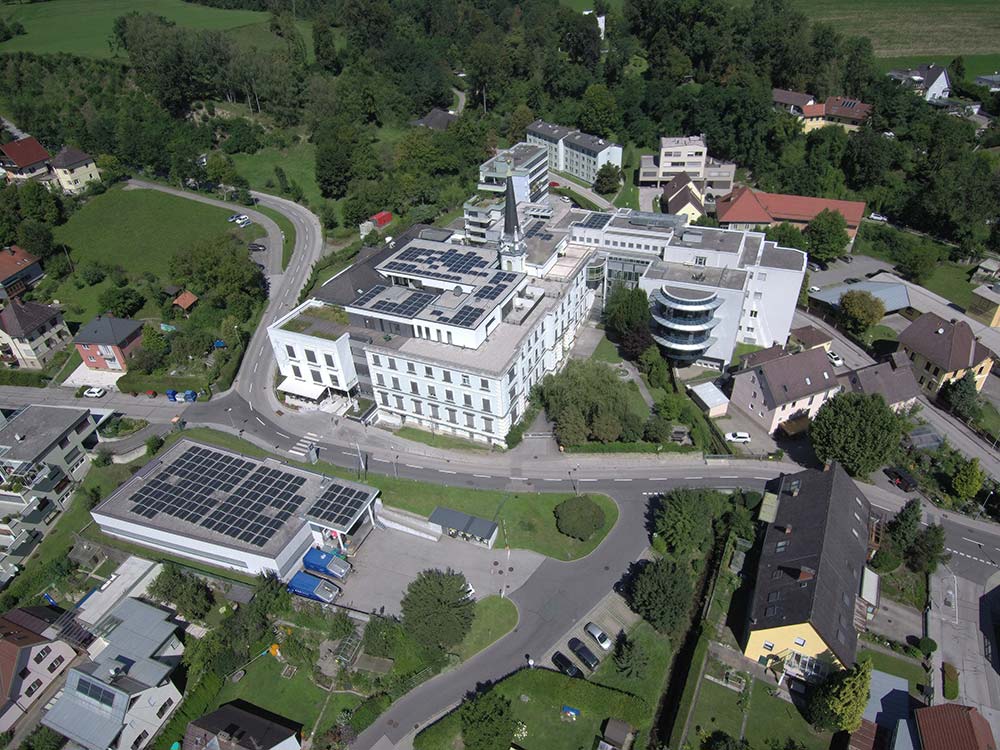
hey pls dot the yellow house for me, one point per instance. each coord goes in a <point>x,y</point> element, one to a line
<point>985,305</point>
<point>804,617</point>
<point>74,169</point>
<point>942,351</point>
<point>682,197</point>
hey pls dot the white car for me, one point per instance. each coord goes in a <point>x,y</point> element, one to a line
<point>878,217</point>
<point>835,359</point>
<point>598,635</point>
<point>738,437</point>
<point>234,217</point>
<point>243,223</point>
<point>813,289</point>
<point>94,392</point>
<point>565,199</point>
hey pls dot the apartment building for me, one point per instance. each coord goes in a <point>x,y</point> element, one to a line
<point>568,150</point>
<point>688,155</point>
<point>525,164</point>
<point>122,695</point>
<point>31,334</point>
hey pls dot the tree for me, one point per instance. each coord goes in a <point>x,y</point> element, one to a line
<point>839,703</point>
<point>487,722</point>
<point>437,609</point>
<point>627,317</point>
<point>631,658</point>
<point>43,738</point>
<point>662,593</point>
<point>927,550</point>
<point>153,445</point>
<point>915,263</point>
<point>860,310</point>
<point>719,740</point>
<point>826,235</point>
<point>905,525</point>
<point>968,480</point>
<point>684,521</point>
<point>187,592</point>
<point>36,238</point>
<point>858,430</point>
<point>961,397</point>
<point>518,122</point>
<point>122,302</point>
<point>579,517</point>
<point>598,111</point>
<point>786,235</point>
<point>609,178</point>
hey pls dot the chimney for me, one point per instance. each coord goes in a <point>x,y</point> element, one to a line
<point>794,486</point>
<point>806,574</point>
<point>788,529</point>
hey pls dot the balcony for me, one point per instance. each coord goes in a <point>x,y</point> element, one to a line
<point>692,301</point>
<point>686,323</point>
<point>692,345</point>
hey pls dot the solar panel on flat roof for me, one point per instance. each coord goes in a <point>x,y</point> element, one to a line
<point>596,221</point>
<point>368,296</point>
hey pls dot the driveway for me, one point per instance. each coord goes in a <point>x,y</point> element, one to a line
<point>897,621</point>
<point>83,375</point>
<point>648,196</point>
<point>389,560</point>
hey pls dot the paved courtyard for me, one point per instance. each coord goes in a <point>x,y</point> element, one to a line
<point>389,560</point>
<point>83,375</point>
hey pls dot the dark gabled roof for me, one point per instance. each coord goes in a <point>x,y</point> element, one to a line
<point>949,726</point>
<point>436,119</point>
<point>25,152</point>
<point>19,319</point>
<point>759,357</point>
<point>681,199</point>
<point>810,336</point>
<point>70,157</point>
<point>107,330</point>
<point>813,557</point>
<point>239,727</point>
<point>17,634</point>
<point>791,98</point>
<point>894,380</point>
<point>796,376</point>
<point>949,345</point>
<point>678,183</point>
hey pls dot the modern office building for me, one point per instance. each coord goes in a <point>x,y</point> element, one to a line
<point>526,165</point>
<point>688,155</point>
<point>571,151</point>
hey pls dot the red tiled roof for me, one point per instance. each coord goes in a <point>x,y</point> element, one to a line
<point>949,726</point>
<point>25,152</point>
<point>746,206</point>
<point>849,109</point>
<point>814,110</point>
<point>14,259</point>
<point>185,300</point>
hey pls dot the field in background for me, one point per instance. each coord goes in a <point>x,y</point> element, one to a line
<point>82,27</point>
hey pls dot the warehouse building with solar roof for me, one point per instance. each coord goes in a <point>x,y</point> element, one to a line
<point>229,510</point>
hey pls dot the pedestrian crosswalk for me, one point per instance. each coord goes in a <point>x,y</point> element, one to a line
<point>300,448</point>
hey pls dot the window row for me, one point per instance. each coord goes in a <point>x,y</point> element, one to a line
<point>311,356</point>
<point>429,372</point>
<point>432,392</point>
<point>435,412</point>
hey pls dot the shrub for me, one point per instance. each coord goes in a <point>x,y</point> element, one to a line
<point>927,646</point>
<point>579,517</point>
<point>153,445</point>
<point>887,559</point>
<point>103,457</point>
<point>369,710</point>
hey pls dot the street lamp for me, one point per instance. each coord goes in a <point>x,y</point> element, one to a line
<point>229,413</point>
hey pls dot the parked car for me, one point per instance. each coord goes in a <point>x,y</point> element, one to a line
<point>564,199</point>
<point>243,223</point>
<point>813,289</point>
<point>151,394</point>
<point>815,267</point>
<point>598,635</point>
<point>848,259</point>
<point>233,218</point>
<point>584,654</point>
<point>738,437</point>
<point>852,280</point>
<point>256,247</point>
<point>565,666</point>
<point>553,183</point>
<point>878,217</point>
<point>835,359</point>
<point>901,478</point>
<point>94,392</point>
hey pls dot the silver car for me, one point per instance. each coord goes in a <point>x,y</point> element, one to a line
<point>598,635</point>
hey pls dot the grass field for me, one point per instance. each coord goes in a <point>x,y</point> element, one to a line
<point>298,162</point>
<point>951,281</point>
<point>606,352</point>
<point>716,710</point>
<point>494,618</point>
<point>445,442</point>
<point>82,27</point>
<point>906,587</point>
<point>908,669</point>
<point>774,718</point>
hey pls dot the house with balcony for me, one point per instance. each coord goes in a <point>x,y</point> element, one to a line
<point>74,170</point>
<point>107,343</point>
<point>19,272</point>
<point>32,658</point>
<point>805,612</point>
<point>24,159</point>
<point>941,351</point>
<point>929,81</point>
<point>579,154</point>
<point>849,114</point>
<point>240,727</point>
<point>121,696</point>
<point>31,334</point>
<point>688,155</point>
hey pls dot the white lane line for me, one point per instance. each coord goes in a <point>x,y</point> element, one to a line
<point>586,480</point>
<point>287,437</point>
<point>414,466</point>
<point>445,471</point>
<point>965,538</point>
<point>658,479</point>
<point>482,476</point>
<point>295,452</point>
<point>261,352</point>
<point>763,478</point>
<point>694,477</point>
<point>733,476</point>
<point>552,480</point>
<point>259,420</point>
<point>349,453</point>
<point>256,365</point>
<point>623,480</point>
<point>250,390</point>
<point>382,460</point>
<point>520,479</point>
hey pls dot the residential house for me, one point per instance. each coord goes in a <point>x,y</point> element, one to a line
<point>930,80</point>
<point>745,208</point>
<point>786,388</point>
<point>122,695</point>
<point>31,658</point>
<point>186,300</point>
<point>948,726</point>
<point>989,269</point>
<point>74,169</point>
<point>579,154</point>
<point>809,337</point>
<point>25,159</point>
<point>31,333</point>
<point>804,616</point>
<point>106,342</point>
<point>688,155</point>
<point>850,114</point>
<point>681,197</point>
<point>892,379</point>
<point>985,304</point>
<point>437,119</point>
<point>238,727</point>
<point>792,102</point>
<point>990,81</point>
<point>19,271</point>
<point>942,351</point>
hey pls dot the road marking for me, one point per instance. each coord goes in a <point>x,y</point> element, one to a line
<point>287,437</point>
<point>250,390</point>
<point>349,453</point>
<point>520,479</point>
<point>259,420</point>
<point>295,452</point>
<point>483,476</point>
<point>763,478</point>
<point>728,477</point>
<point>586,480</point>
<point>381,460</point>
<point>694,477</point>
<point>261,352</point>
<point>445,471</point>
<point>256,365</point>
<point>551,480</point>
<point>623,480</point>
<point>414,466</point>
<point>658,479</point>
<point>312,435</point>
<point>965,538</point>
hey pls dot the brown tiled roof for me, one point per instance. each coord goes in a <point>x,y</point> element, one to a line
<point>14,259</point>
<point>810,336</point>
<point>19,319</point>
<point>14,639</point>
<point>895,383</point>
<point>746,206</point>
<point>185,300</point>
<point>949,345</point>
<point>25,152</point>
<point>796,376</point>
<point>70,157</point>
<point>792,98</point>
<point>759,357</point>
<point>950,726</point>
<point>849,109</point>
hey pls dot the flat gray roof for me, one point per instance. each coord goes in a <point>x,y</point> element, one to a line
<point>519,155</point>
<point>709,238</point>
<point>722,278</point>
<point>894,295</point>
<point>782,257</point>
<point>38,428</point>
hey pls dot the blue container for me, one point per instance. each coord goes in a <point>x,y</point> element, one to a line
<point>312,587</point>
<point>326,563</point>
<point>190,396</point>
<point>171,395</point>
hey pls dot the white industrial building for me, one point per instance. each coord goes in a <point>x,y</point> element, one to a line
<point>579,154</point>
<point>224,509</point>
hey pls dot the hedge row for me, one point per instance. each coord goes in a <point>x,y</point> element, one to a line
<point>29,378</point>
<point>631,448</point>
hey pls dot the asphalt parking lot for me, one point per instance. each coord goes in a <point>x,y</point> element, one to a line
<point>612,615</point>
<point>839,271</point>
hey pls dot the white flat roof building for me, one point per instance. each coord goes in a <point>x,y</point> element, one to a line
<point>579,154</point>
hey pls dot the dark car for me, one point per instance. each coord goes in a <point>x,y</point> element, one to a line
<point>584,654</point>
<point>852,280</point>
<point>848,258</point>
<point>256,247</point>
<point>565,666</point>
<point>901,478</point>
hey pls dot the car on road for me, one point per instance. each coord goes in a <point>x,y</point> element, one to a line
<point>835,359</point>
<point>565,199</point>
<point>598,635</point>
<point>553,184</point>
<point>847,259</point>
<point>256,247</point>
<point>878,217</point>
<point>584,654</point>
<point>815,267</point>
<point>852,280</point>
<point>813,289</point>
<point>564,665</point>
<point>738,437</point>
<point>901,478</point>
<point>94,392</point>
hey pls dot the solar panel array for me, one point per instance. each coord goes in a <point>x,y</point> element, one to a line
<point>408,308</point>
<point>535,230</point>
<point>368,296</point>
<point>466,317</point>
<point>596,221</point>
<point>222,493</point>
<point>338,505</point>
<point>450,265</point>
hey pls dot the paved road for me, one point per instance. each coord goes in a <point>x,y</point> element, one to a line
<point>580,190</point>
<point>460,95</point>
<point>12,129</point>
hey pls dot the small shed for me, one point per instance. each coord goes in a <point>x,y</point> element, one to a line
<point>460,525</point>
<point>617,735</point>
<point>712,400</point>
<point>989,267</point>
<point>186,300</point>
<point>923,437</point>
<point>381,218</point>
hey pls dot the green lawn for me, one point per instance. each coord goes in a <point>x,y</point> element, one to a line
<point>716,710</point>
<point>606,352</point>
<point>989,419</point>
<point>287,229</point>
<point>259,35</point>
<point>740,349</point>
<point>636,403</point>
<point>298,162</point>
<point>951,281</point>
<point>975,65</point>
<point>495,617</point>
<point>82,27</point>
<point>908,669</point>
<point>880,332</point>
<point>528,516</point>
<point>446,442</point>
<point>772,717</point>
<point>906,587</point>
